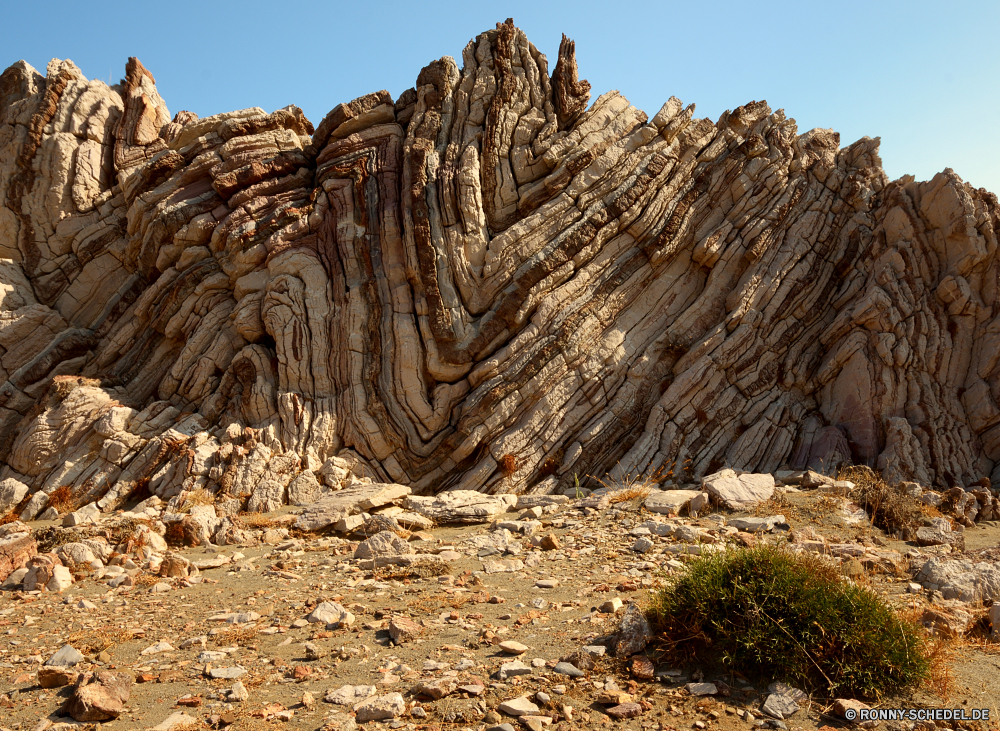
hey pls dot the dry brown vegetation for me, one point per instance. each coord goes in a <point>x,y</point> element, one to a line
<point>890,508</point>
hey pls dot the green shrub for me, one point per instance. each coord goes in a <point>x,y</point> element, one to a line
<point>783,616</point>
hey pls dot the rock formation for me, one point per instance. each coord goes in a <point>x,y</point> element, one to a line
<point>489,283</point>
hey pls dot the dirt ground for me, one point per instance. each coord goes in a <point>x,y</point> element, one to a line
<point>463,616</point>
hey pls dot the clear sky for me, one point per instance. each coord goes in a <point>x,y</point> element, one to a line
<point>920,75</point>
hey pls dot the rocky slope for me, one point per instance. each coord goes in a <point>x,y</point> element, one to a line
<point>490,283</point>
<point>532,620</point>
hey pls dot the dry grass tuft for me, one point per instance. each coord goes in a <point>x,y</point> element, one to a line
<point>631,487</point>
<point>890,508</point>
<point>62,499</point>
<point>236,636</point>
<point>508,465</point>
<point>201,496</point>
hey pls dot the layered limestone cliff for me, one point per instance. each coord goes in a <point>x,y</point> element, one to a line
<point>489,283</point>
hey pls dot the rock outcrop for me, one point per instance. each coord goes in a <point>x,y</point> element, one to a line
<point>490,283</point>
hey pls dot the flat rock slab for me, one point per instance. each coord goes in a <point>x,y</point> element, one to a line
<point>350,501</point>
<point>518,707</point>
<point>380,708</point>
<point>348,695</point>
<point>227,673</point>
<point>565,668</point>
<point>701,688</point>
<point>461,506</point>
<point>330,613</point>
<point>625,710</point>
<point>65,657</point>
<point>738,492</point>
<point>757,525</point>
<point>513,669</point>
<point>668,502</point>
<point>780,706</point>
<point>507,566</point>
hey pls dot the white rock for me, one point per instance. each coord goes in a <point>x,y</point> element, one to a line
<point>519,707</point>
<point>380,708</point>
<point>348,695</point>
<point>12,492</point>
<point>61,579</point>
<point>738,492</point>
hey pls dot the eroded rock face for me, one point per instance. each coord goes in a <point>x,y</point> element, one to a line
<point>484,285</point>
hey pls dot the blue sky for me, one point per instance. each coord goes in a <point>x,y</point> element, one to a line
<point>920,75</point>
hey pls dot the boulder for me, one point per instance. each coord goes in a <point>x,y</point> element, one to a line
<point>12,492</point>
<point>17,546</point>
<point>381,544</point>
<point>99,696</point>
<point>353,500</point>
<point>380,708</point>
<point>461,506</point>
<point>738,491</point>
<point>673,502</point>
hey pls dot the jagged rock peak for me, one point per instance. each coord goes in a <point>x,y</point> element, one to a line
<point>484,284</point>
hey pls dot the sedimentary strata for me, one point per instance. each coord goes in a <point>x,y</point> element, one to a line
<point>491,283</point>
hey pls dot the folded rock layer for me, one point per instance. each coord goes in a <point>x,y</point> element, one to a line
<point>488,284</point>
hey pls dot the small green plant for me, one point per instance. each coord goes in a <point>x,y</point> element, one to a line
<point>788,617</point>
<point>576,484</point>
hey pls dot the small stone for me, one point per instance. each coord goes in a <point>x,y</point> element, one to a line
<point>550,542</point>
<point>565,668</point>
<point>56,677</point>
<point>513,648</point>
<point>380,708</point>
<point>330,613</point>
<point>61,579</point>
<point>519,707</point>
<point>66,657</point>
<point>238,693</point>
<point>348,695</point>
<point>625,710</point>
<point>162,646</point>
<point>543,697</point>
<point>313,651</point>
<point>402,629</point>
<point>780,706</point>
<point>633,634</point>
<point>437,688</point>
<point>642,545</point>
<point>842,705</point>
<point>227,673</point>
<point>611,606</point>
<point>513,669</point>
<point>642,667</point>
<point>547,583</point>
<point>701,688</point>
